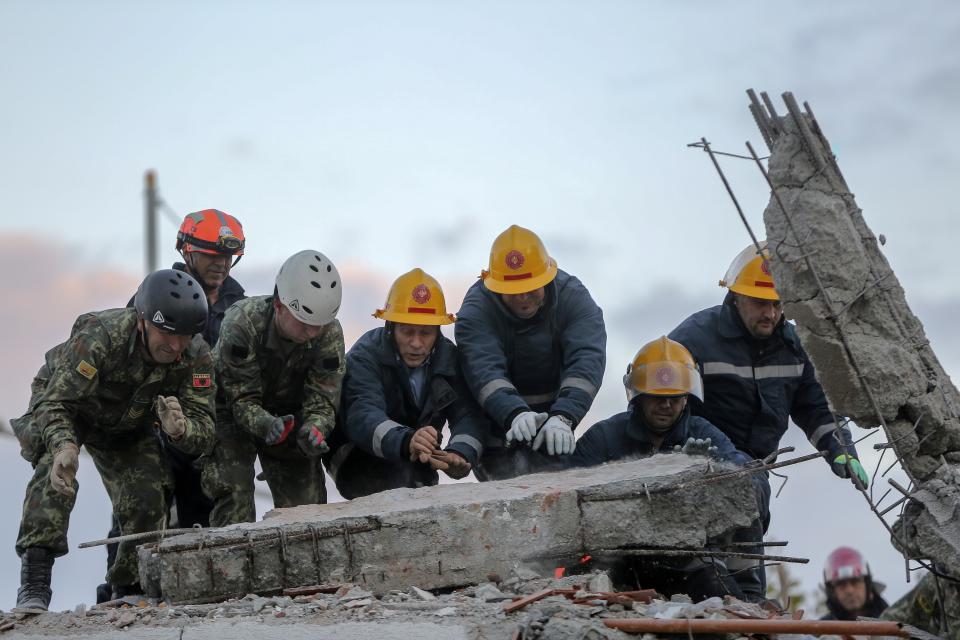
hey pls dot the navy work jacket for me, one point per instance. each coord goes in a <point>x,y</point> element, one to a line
<point>753,387</point>
<point>625,435</point>
<point>552,362</point>
<point>379,414</point>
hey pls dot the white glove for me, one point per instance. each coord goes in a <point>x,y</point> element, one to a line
<point>558,435</point>
<point>697,447</point>
<point>524,426</point>
<point>172,420</point>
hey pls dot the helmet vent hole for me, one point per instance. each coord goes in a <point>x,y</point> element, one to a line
<point>307,309</point>
<point>313,267</point>
<point>196,296</point>
<point>175,294</point>
<point>316,284</point>
<point>318,258</point>
<point>333,285</point>
<point>329,268</point>
<point>179,276</point>
<point>173,282</point>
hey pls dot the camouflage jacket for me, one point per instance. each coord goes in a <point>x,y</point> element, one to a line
<point>263,376</point>
<point>99,388</point>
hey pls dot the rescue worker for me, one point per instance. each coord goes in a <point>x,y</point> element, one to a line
<point>533,350</point>
<point>658,382</point>
<point>211,243</point>
<point>851,591</point>
<point>122,374</point>
<point>933,605</point>
<point>757,377</point>
<point>403,383</point>
<point>280,364</point>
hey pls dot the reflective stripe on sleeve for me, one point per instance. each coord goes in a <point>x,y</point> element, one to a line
<point>468,440</point>
<point>380,432</point>
<point>821,431</point>
<point>583,384</point>
<point>492,387</point>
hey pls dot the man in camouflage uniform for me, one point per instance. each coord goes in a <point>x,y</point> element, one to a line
<point>280,364</point>
<point>122,374</point>
<point>933,605</point>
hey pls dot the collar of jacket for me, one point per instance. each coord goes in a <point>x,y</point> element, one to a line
<point>549,301</point>
<point>637,429</point>
<point>229,289</point>
<point>731,326</point>
<point>440,361</point>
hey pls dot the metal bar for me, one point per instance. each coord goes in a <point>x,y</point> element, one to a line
<point>706,147</point>
<point>705,481</point>
<point>770,106</point>
<point>753,626</point>
<point>696,553</point>
<point>894,505</point>
<point>134,537</point>
<point>805,134</point>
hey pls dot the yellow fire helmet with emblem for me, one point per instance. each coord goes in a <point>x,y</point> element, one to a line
<point>663,367</point>
<point>415,298</point>
<point>518,263</point>
<point>749,274</point>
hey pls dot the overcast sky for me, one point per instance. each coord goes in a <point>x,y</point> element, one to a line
<point>394,135</point>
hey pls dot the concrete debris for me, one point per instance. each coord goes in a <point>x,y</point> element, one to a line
<point>453,535</point>
<point>870,351</point>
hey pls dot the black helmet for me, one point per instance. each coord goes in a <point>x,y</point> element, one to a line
<point>173,301</point>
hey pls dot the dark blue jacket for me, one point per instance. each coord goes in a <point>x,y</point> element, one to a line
<point>626,436</point>
<point>552,362</point>
<point>752,387</point>
<point>230,292</point>
<point>379,414</point>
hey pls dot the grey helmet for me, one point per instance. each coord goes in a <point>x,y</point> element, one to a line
<point>173,301</point>
<point>308,285</point>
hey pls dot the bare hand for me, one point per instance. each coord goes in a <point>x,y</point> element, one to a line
<point>64,471</point>
<point>423,444</point>
<point>450,463</point>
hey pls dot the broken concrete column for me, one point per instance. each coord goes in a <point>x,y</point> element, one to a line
<point>452,535</point>
<point>870,351</point>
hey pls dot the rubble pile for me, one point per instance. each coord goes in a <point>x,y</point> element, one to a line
<point>870,351</point>
<point>449,536</point>
<point>523,605</point>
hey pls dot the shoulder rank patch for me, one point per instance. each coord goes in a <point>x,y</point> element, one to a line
<point>202,380</point>
<point>86,369</point>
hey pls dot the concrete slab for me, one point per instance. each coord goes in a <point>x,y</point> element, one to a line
<point>451,535</point>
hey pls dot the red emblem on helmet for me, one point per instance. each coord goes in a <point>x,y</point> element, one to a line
<point>665,376</point>
<point>765,266</point>
<point>514,260</point>
<point>421,294</point>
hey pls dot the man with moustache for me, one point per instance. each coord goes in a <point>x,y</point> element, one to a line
<point>122,374</point>
<point>850,588</point>
<point>403,383</point>
<point>279,363</point>
<point>658,382</point>
<point>533,349</point>
<point>211,243</point>
<point>757,377</point>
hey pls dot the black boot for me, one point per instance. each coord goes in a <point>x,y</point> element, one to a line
<point>34,593</point>
<point>124,590</point>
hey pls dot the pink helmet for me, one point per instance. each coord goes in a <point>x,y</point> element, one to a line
<point>845,563</point>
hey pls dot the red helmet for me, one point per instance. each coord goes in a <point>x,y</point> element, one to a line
<point>211,231</point>
<point>845,563</point>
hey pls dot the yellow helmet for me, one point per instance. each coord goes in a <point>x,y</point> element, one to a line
<point>415,298</point>
<point>749,274</point>
<point>663,367</point>
<point>518,263</point>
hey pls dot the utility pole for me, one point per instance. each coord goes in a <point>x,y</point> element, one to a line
<point>150,219</point>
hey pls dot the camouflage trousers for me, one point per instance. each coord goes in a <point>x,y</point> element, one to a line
<point>228,474</point>
<point>933,605</point>
<point>138,483</point>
